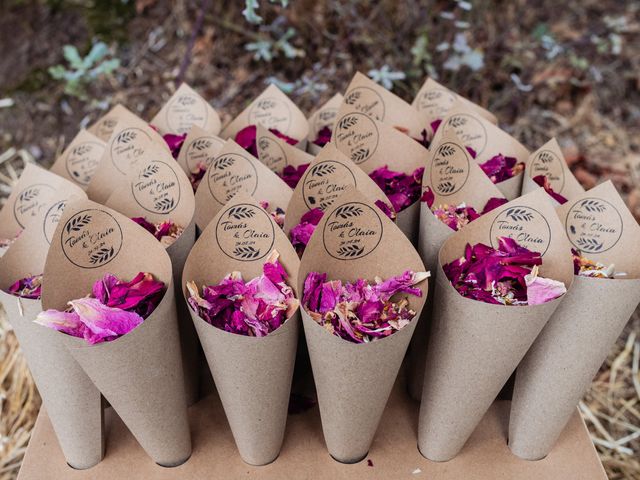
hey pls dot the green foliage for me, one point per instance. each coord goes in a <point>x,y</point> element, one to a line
<point>82,71</point>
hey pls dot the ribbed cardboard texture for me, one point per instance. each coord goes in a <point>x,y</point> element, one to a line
<point>139,373</point>
<point>486,140</point>
<point>158,190</point>
<point>185,109</point>
<point>549,161</point>
<point>273,109</point>
<point>104,126</point>
<point>74,404</point>
<point>436,101</point>
<point>198,150</point>
<point>276,154</point>
<point>328,176</point>
<point>371,144</point>
<point>131,137</point>
<point>80,159</point>
<point>454,178</point>
<point>474,347</point>
<point>393,454</point>
<point>353,381</point>
<point>31,197</point>
<point>235,170</point>
<point>565,357</point>
<point>366,96</point>
<point>252,375</point>
<point>325,116</point>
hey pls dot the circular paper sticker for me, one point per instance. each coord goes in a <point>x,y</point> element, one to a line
<point>272,113</point>
<point>82,161</point>
<point>367,101</point>
<point>547,163</point>
<point>229,174</point>
<point>91,238</point>
<point>436,102</point>
<point>184,111</point>
<point>450,169</point>
<point>127,147</point>
<point>30,202</point>
<point>353,230</point>
<point>271,154</point>
<point>357,135</point>
<point>199,152</point>
<point>525,225</point>
<point>156,188</point>
<point>51,219</point>
<point>469,130</point>
<point>324,182</point>
<point>245,232</point>
<point>593,225</point>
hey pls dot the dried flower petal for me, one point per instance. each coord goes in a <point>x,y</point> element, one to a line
<point>301,233</point>
<point>542,290</point>
<point>174,142</point>
<point>401,189</point>
<point>543,181</point>
<point>323,137</point>
<point>246,138</point>
<point>588,268</point>
<point>277,214</point>
<point>500,168</point>
<point>165,232</point>
<point>292,175</point>
<point>28,287</point>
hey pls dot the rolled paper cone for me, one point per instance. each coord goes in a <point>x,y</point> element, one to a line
<point>324,116</point>
<point>559,367</point>
<point>474,347</point>
<point>408,222</point>
<point>80,159</point>
<point>199,149</point>
<point>104,126</point>
<point>277,154</point>
<point>139,373</point>
<point>511,187</point>
<point>353,381</point>
<point>252,375</point>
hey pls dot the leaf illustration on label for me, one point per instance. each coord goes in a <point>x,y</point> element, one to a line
<point>457,122</point>
<point>223,163</point>
<point>201,144</point>
<point>322,170</point>
<point>101,256</point>
<point>29,194</point>
<point>126,136</point>
<point>240,213</point>
<point>82,149</point>
<point>348,251</point>
<point>352,97</point>
<point>519,214</point>
<point>446,187</point>
<point>590,244</point>
<point>164,205</point>
<point>149,171</point>
<point>348,211</point>
<point>263,144</point>
<point>593,206</point>
<point>446,150</point>
<point>360,155</point>
<point>77,223</point>
<point>246,252</point>
<point>348,122</point>
<point>325,205</point>
<point>545,157</point>
<point>186,100</point>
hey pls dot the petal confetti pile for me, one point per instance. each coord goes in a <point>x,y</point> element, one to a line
<point>361,312</point>
<point>165,232</point>
<point>506,276</point>
<point>277,214</point>
<point>401,189</point>
<point>113,309</point>
<point>254,308</point>
<point>588,268</point>
<point>457,216</point>
<point>543,181</point>
<point>28,287</point>
<point>323,137</point>
<point>292,175</point>
<point>500,168</point>
<point>246,138</point>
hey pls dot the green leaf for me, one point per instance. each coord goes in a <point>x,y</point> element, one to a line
<point>97,53</point>
<point>70,52</point>
<point>57,72</point>
<point>250,12</point>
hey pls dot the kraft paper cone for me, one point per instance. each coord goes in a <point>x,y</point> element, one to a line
<point>252,375</point>
<point>276,154</point>
<point>131,137</point>
<point>80,159</point>
<point>436,101</point>
<point>353,381</point>
<point>198,151</point>
<point>565,357</point>
<point>184,110</point>
<point>73,403</point>
<point>31,197</point>
<point>329,175</point>
<point>235,170</point>
<point>273,109</point>
<point>325,116</point>
<point>371,145</point>
<point>487,140</point>
<point>139,373</point>
<point>158,190</point>
<point>366,96</point>
<point>549,161</point>
<point>474,347</point>
<point>454,178</point>
<point>103,127</point>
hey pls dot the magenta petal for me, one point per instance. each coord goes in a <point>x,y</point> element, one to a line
<point>103,322</point>
<point>66,322</point>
